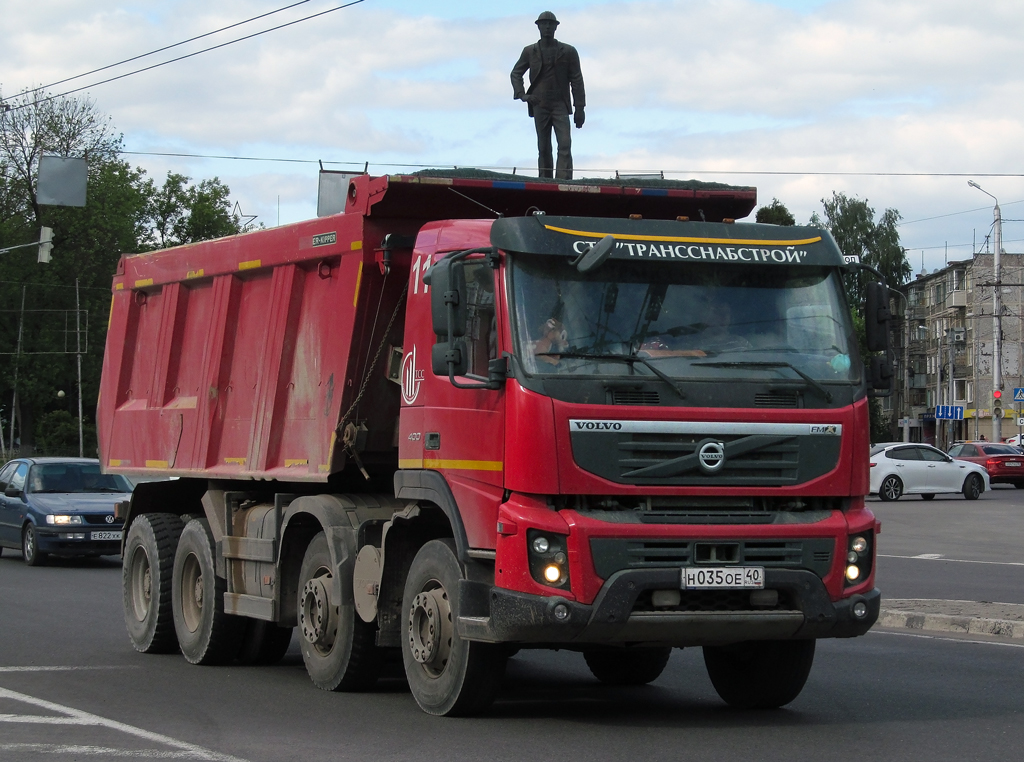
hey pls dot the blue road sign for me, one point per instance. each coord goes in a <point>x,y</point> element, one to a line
<point>1018,394</point>
<point>949,412</point>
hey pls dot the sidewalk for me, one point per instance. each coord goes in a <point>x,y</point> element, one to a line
<point>1004,620</point>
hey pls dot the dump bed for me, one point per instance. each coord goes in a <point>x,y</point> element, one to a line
<point>240,357</point>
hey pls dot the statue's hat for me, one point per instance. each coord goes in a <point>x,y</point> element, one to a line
<point>546,16</point>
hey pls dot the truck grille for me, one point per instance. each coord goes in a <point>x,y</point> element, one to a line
<point>772,460</point>
<point>615,554</point>
<point>692,601</point>
<point>635,397</point>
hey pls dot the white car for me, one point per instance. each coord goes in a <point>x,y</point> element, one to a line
<point>906,468</point>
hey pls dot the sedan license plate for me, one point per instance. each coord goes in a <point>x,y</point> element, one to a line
<point>723,578</point>
<point>106,535</point>
<point>1012,463</point>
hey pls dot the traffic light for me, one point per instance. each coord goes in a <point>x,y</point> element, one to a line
<point>45,244</point>
<point>997,402</point>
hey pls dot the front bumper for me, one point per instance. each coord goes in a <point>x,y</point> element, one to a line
<point>497,615</point>
<point>60,542</point>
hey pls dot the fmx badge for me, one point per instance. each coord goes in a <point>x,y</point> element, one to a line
<point>325,239</point>
<point>411,377</point>
<point>828,429</point>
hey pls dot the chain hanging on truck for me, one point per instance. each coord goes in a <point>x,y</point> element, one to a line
<point>348,432</point>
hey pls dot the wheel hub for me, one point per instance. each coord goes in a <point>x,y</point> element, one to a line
<point>430,629</point>
<point>317,615</point>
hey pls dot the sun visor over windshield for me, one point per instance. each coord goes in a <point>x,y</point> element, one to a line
<point>669,241</point>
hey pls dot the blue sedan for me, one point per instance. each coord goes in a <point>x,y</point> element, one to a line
<point>60,506</point>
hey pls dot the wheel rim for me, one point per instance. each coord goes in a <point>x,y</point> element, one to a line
<point>192,592</point>
<point>318,616</point>
<point>141,584</point>
<point>891,488</point>
<point>973,487</point>
<point>430,629</point>
<point>29,542</point>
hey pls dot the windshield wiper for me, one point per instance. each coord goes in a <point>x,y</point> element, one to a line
<point>631,358</point>
<point>770,364</point>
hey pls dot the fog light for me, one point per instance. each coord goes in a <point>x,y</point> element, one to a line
<point>852,557</point>
<point>561,612</point>
<point>860,609</point>
<point>541,545</point>
<point>852,572</point>
<point>552,573</point>
<point>859,544</point>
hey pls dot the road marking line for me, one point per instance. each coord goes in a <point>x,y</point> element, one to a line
<point>53,748</point>
<point>43,719</point>
<point>85,718</point>
<point>934,557</point>
<point>955,640</point>
<point>57,669</point>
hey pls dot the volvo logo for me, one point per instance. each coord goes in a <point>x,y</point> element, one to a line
<point>711,457</point>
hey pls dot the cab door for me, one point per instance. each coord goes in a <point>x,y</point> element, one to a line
<point>10,520</point>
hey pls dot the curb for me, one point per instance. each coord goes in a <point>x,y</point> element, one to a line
<point>964,625</point>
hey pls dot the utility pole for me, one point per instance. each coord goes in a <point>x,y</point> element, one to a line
<point>997,310</point>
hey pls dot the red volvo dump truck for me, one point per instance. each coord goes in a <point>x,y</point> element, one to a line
<point>470,415</point>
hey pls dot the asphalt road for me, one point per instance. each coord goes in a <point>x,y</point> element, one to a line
<point>72,687</point>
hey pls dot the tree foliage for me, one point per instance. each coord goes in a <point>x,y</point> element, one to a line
<point>125,213</point>
<point>875,242</point>
<point>775,213</point>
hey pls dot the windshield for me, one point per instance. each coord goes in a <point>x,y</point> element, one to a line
<point>74,477</point>
<point>694,322</point>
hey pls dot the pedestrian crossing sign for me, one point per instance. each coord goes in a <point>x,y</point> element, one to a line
<point>1018,394</point>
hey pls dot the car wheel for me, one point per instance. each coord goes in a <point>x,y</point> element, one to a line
<point>206,634</point>
<point>338,648</point>
<point>761,674</point>
<point>627,666</point>
<point>973,487</point>
<point>448,676</point>
<point>146,582</point>
<point>891,489</point>
<point>928,496</point>
<point>30,547</point>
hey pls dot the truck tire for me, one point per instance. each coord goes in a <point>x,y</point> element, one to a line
<point>338,647</point>
<point>206,634</point>
<point>264,643</point>
<point>30,551</point>
<point>448,676</point>
<point>627,666</point>
<point>759,674</point>
<point>146,582</point>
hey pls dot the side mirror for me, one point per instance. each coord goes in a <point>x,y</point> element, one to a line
<point>877,316</point>
<point>445,358</point>
<point>596,255</point>
<point>13,492</point>
<point>880,376</point>
<point>448,298</point>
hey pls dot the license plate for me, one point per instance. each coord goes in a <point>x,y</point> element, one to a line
<point>1012,463</point>
<point>723,578</point>
<point>106,535</point>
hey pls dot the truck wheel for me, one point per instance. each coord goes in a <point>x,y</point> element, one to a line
<point>146,582</point>
<point>206,634</point>
<point>627,666</point>
<point>338,647</point>
<point>264,643</point>
<point>448,676</point>
<point>891,489</point>
<point>759,674</point>
<point>973,487</point>
<point>30,547</point>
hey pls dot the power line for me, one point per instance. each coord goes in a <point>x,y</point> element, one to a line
<point>954,214</point>
<point>207,50</point>
<point>166,47</point>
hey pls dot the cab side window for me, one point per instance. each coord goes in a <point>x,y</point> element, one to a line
<point>481,322</point>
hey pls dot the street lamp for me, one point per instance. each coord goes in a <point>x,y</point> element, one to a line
<point>997,308</point>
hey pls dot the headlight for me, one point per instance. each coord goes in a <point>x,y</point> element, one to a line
<point>549,563</point>
<point>859,558</point>
<point>62,520</point>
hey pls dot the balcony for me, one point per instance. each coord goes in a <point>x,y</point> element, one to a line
<point>956,299</point>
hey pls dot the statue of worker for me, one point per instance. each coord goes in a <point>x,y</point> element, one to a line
<point>554,71</point>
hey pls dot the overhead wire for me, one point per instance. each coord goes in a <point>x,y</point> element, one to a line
<point>166,47</point>
<point>191,55</point>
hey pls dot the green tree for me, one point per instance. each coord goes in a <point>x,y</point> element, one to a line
<point>775,213</point>
<point>182,213</point>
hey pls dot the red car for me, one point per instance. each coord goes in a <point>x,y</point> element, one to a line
<point>1004,463</point>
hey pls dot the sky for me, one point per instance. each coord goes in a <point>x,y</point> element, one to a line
<point>899,102</point>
